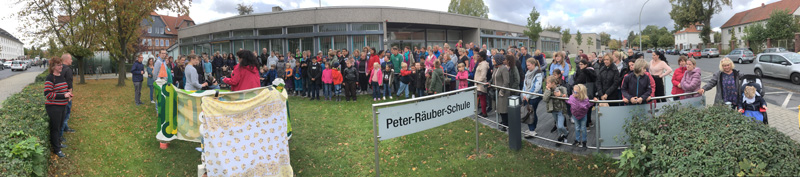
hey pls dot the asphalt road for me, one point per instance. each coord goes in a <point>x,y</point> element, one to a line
<point>6,73</point>
<point>778,91</point>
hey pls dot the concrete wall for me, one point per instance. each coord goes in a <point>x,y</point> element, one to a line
<point>346,15</point>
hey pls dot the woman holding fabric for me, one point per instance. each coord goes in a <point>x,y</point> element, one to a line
<point>245,74</point>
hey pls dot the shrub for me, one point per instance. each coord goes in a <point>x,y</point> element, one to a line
<point>24,133</point>
<point>41,77</point>
<point>714,141</point>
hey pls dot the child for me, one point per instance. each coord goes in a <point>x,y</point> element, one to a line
<point>376,80</point>
<point>388,74</point>
<point>437,79</point>
<point>428,90</point>
<point>350,80</point>
<point>264,75</point>
<point>580,108</point>
<point>327,81</point>
<point>752,102</point>
<point>462,76</point>
<point>405,79</point>
<point>298,79</point>
<point>288,78</point>
<point>337,81</point>
<point>556,107</point>
<point>418,79</point>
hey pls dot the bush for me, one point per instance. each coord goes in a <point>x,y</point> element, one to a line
<point>24,133</point>
<point>41,77</point>
<point>714,141</point>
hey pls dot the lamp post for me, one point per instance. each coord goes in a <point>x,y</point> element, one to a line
<point>640,25</point>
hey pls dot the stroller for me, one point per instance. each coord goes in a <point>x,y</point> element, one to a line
<point>755,81</point>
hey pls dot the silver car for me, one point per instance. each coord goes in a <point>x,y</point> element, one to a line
<point>741,55</point>
<point>779,65</point>
<point>709,53</point>
<point>774,50</point>
<point>685,52</point>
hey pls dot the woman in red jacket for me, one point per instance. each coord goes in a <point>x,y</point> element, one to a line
<point>245,75</point>
<point>373,58</point>
<point>677,76</point>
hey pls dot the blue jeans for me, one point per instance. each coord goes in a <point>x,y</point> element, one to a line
<point>535,104</point>
<point>580,129</point>
<point>314,91</point>
<point>387,89</point>
<point>151,92</point>
<point>403,88</point>
<point>66,117</point>
<point>211,87</point>
<point>337,89</point>
<point>420,92</point>
<point>326,91</point>
<point>376,91</point>
<point>559,116</point>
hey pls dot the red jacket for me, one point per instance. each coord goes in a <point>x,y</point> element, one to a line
<point>677,76</point>
<point>337,77</point>
<point>372,60</point>
<point>243,78</point>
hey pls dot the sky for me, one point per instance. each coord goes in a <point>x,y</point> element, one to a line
<point>616,17</point>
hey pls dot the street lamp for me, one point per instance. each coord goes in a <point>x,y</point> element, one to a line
<point>640,25</point>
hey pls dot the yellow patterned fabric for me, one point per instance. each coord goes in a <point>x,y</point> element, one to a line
<point>246,137</point>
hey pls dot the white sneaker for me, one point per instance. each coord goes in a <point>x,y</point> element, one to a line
<point>154,102</point>
<point>390,97</point>
<point>532,133</point>
<point>572,120</point>
<point>384,97</point>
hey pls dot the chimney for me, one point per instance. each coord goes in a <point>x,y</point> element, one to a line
<point>277,9</point>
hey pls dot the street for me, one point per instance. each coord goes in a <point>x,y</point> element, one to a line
<point>777,91</point>
<point>6,73</point>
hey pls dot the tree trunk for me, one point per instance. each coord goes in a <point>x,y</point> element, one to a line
<point>81,69</point>
<point>121,72</point>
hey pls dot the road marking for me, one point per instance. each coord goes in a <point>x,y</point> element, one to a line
<point>792,108</point>
<point>772,93</point>
<point>786,101</point>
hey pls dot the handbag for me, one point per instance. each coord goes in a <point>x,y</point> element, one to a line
<point>528,117</point>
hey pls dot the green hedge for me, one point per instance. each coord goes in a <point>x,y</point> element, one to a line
<point>714,141</point>
<point>24,133</point>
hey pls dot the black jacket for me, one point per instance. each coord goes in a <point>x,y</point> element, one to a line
<point>315,71</point>
<point>262,59</point>
<point>218,62</point>
<point>350,74</point>
<point>636,86</point>
<point>608,82</point>
<point>586,75</point>
<point>418,79</point>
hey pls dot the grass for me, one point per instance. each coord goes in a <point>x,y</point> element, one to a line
<point>117,138</point>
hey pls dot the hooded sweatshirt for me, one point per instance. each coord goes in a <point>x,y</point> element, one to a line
<point>243,78</point>
<point>579,108</point>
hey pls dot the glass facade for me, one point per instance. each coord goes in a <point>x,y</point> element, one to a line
<point>332,27</point>
<point>272,45</point>
<point>300,29</point>
<point>362,41</point>
<point>241,33</point>
<point>301,43</point>
<point>270,31</point>
<point>366,27</point>
<point>332,42</point>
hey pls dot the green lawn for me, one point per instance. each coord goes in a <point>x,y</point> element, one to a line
<point>117,138</point>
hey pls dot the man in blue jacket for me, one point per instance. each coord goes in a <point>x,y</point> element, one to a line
<point>137,70</point>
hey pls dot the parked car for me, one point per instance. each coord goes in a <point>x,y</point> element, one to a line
<point>741,55</point>
<point>684,52</point>
<point>694,53</point>
<point>7,64</point>
<point>784,65</point>
<point>774,50</point>
<point>19,65</point>
<point>709,52</point>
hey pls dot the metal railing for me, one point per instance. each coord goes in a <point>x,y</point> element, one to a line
<point>561,98</point>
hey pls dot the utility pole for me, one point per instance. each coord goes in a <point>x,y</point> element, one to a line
<point>640,25</point>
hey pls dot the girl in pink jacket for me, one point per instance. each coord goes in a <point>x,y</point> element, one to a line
<point>462,76</point>
<point>327,80</point>
<point>376,81</point>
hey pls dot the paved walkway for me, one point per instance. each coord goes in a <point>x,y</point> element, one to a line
<point>15,84</point>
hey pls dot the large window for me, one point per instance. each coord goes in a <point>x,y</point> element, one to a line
<point>406,34</point>
<point>366,27</point>
<point>360,42</point>
<point>200,38</point>
<point>271,45</point>
<point>241,33</point>
<point>332,27</point>
<point>220,35</point>
<point>302,43</point>
<point>300,29</point>
<point>332,42</point>
<point>271,31</point>
<point>436,35</point>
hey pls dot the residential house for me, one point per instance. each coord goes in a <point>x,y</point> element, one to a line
<point>689,38</point>
<point>161,31</point>
<point>741,20</point>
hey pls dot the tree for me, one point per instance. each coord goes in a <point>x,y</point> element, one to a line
<point>717,37</point>
<point>590,41</point>
<point>691,12</point>
<point>556,29</point>
<point>644,39</point>
<point>120,23</point>
<point>579,38</point>
<point>244,9</point>
<point>781,25</point>
<point>666,41</point>
<point>631,37</point>
<point>614,44</point>
<point>604,38</point>
<point>756,34</point>
<point>52,48</point>
<point>534,28</point>
<point>565,37</point>
<point>469,7</point>
<point>68,21</point>
<point>733,35</point>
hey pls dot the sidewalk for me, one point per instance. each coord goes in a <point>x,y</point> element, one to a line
<point>780,118</point>
<point>15,84</point>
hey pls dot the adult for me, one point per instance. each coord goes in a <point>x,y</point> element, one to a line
<point>677,76</point>
<point>271,60</point>
<point>533,83</point>
<point>66,71</point>
<point>280,67</point>
<point>263,58</point>
<point>150,77</point>
<point>217,64</point>
<point>161,62</point>
<point>586,75</point>
<point>539,56</point>
<point>480,76</point>
<point>690,81</point>
<point>57,94</point>
<point>245,75</point>
<point>727,78</point>
<point>636,88</point>
<point>501,78</point>
<point>137,72</point>
<point>362,70</point>
<point>177,72</point>
<point>513,72</point>
<point>608,80</point>
<point>230,63</point>
<point>658,70</point>
<point>192,81</point>
<point>373,58</point>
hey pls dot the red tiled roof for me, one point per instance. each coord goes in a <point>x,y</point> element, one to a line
<point>690,29</point>
<point>174,23</point>
<point>761,12</point>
